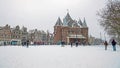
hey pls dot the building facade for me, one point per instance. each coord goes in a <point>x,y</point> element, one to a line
<point>5,35</point>
<point>40,37</point>
<point>70,31</point>
<point>16,36</point>
<point>24,36</point>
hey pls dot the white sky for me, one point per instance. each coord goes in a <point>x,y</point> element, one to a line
<point>43,14</point>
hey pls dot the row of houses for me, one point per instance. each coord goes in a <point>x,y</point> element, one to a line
<point>14,36</point>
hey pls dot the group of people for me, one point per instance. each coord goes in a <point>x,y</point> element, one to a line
<point>25,43</point>
<point>76,43</point>
<point>113,44</point>
<point>105,43</point>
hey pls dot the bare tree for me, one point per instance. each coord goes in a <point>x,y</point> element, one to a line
<point>110,18</point>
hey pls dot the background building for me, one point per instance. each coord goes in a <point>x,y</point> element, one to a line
<point>24,36</point>
<point>70,31</point>
<point>40,37</point>
<point>16,36</point>
<point>5,35</point>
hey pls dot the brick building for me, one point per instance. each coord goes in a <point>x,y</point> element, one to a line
<point>70,31</point>
<point>5,34</point>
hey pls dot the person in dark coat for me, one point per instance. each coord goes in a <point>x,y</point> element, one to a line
<point>76,43</point>
<point>71,43</point>
<point>106,44</point>
<point>27,43</point>
<point>62,43</point>
<point>114,45</point>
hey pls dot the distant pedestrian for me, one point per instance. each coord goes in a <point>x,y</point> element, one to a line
<point>62,44</point>
<point>76,43</point>
<point>27,43</point>
<point>71,44</point>
<point>114,45</point>
<point>106,44</point>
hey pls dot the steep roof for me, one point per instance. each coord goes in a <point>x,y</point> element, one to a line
<point>68,17</point>
<point>80,23</point>
<point>84,23</point>
<point>68,21</point>
<point>59,22</point>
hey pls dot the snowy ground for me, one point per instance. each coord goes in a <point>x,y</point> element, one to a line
<point>59,57</point>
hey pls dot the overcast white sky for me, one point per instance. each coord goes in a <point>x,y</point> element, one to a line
<point>43,14</point>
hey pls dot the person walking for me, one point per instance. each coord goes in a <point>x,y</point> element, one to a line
<point>106,44</point>
<point>62,44</point>
<point>71,43</point>
<point>114,45</point>
<point>27,43</point>
<point>76,43</point>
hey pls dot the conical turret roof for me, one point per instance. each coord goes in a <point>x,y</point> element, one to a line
<point>80,22</point>
<point>84,23</point>
<point>68,17</point>
<point>67,21</point>
<point>59,22</point>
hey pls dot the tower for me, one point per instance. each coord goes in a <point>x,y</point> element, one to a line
<point>58,31</point>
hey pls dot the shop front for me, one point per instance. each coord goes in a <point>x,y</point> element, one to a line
<point>76,38</point>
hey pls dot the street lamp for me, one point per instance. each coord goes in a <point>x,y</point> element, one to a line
<point>61,36</point>
<point>105,36</point>
<point>76,34</point>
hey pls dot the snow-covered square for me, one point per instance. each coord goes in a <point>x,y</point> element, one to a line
<point>55,56</point>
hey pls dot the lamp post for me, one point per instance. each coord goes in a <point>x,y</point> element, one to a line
<point>4,37</point>
<point>77,32</point>
<point>61,36</point>
<point>76,35</point>
<point>100,41</point>
<point>105,36</point>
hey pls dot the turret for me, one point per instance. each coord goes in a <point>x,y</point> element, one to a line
<point>84,23</point>
<point>59,22</point>
<point>80,23</point>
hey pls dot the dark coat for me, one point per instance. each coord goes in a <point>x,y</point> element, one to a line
<point>113,42</point>
<point>105,43</point>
